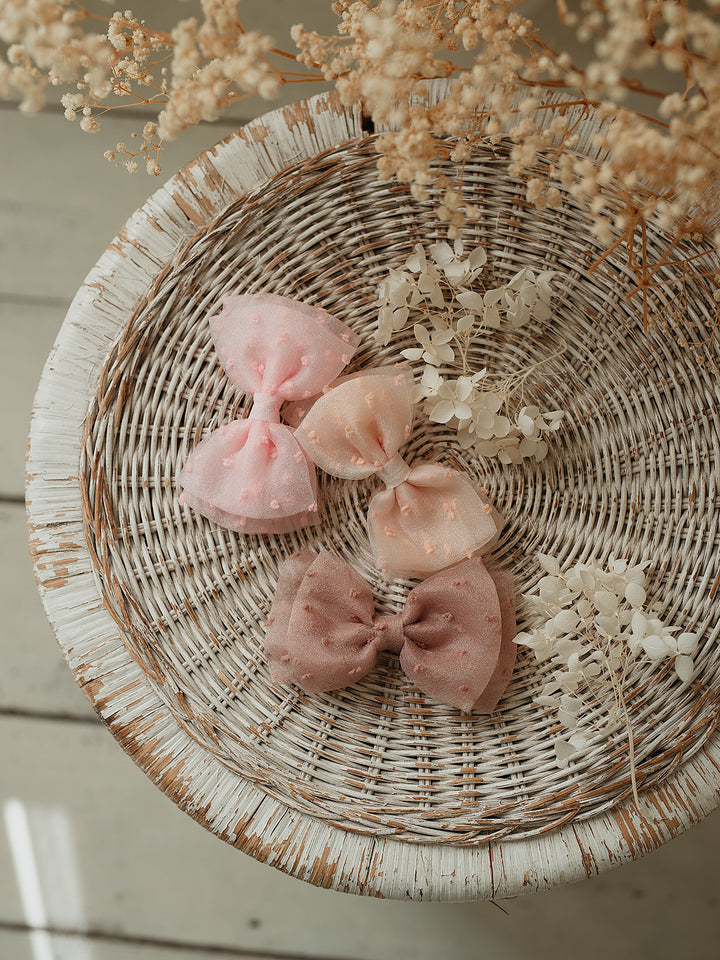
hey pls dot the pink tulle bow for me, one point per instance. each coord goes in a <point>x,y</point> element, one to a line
<point>455,635</point>
<point>429,516</point>
<point>251,475</point>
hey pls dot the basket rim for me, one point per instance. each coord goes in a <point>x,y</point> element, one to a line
<point>198,783</point>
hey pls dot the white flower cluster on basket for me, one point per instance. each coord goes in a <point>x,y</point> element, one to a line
<point>439,290</point>
<point>595,626</point>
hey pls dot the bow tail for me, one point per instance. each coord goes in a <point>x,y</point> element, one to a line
<point>493,692</point>
<point>251,476</point>
<point>434,518</point>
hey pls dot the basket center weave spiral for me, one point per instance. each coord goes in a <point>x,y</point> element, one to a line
<point>629,475</point>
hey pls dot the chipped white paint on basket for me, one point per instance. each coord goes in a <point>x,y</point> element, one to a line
<point>321,851</point>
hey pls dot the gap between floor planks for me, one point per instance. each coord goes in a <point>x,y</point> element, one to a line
<point>207,949</point>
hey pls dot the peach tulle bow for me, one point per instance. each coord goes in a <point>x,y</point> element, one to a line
<point>428,516</point>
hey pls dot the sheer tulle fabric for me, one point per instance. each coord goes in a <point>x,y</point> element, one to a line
<point>429,516</point>
<point>251,475</point>
<point>455,635</point>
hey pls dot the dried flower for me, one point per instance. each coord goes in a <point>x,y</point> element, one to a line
<point>443,287</point>
<point>593,626</point>
<point>658,164</point>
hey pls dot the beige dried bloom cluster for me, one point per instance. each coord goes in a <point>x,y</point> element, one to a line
<point>656,167</point>
<point>191,73</point>
<point>379,54</point>
<point>658,164</point>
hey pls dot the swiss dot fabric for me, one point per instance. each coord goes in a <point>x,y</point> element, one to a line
<point>251,475</point>
<point>455,634</point>
<point>429,516</point>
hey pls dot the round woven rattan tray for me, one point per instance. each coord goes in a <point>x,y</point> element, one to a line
<point>373,789</point>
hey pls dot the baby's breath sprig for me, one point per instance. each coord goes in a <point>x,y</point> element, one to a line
<point>594,624</point>
<point>441,290</point>
<point>191,74</point>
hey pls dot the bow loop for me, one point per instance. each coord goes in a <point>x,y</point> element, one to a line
<point>429,516</point>
<point>251,475</point>
<point>454,635</point>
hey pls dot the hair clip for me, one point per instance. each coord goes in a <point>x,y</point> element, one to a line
<point>251,475</point>
<point>455,635</point>
<point>429,516</point>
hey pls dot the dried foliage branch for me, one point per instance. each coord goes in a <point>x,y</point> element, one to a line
<point>655,167</point>
<point>192,73</point>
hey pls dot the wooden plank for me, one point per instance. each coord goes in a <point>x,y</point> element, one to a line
<point>61,202</point>
<point>29,329</point>
<point>34,676</point>
<point>19,945</point>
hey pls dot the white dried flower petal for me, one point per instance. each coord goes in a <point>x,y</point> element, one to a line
<point>687,643</point>
<point>684,668</point>
<point>635,594</point>
<point>442,254</point>
<point>526,424</point>
<point>654,646</point>
<point>636,574</point>
<point>564,750</point>
<point>541,451</point>
<point>431,382</point>
<point>502,426</point>
<point>478,258</point>
<point>465,323</point>
<point>551,564</point>
<point>471,301</point>
<point>549,589</point>
<point>442,412</point>
<point>412,353</point>
<point>566,621</point>
<point>584,608</point>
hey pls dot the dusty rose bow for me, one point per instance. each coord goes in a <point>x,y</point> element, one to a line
<point>429,516</point>
<point>454,636</point>
<point>251,475</point>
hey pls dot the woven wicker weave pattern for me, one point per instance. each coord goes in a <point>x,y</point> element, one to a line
<point>627,476</point>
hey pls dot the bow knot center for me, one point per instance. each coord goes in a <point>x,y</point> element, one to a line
<point>394,472</point>
<point>266,407</point>
<point>389,632</point>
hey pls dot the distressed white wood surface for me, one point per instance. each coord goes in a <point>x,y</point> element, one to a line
<point>239,814</point>
<point>20,370</point>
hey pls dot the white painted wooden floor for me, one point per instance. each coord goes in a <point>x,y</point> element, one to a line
<point>95,863</point>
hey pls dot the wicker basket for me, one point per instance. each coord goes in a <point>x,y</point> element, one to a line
<point>374,789</point>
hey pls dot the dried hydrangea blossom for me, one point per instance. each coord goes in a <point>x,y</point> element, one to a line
<point>594,625</point>
<point>440,289</point>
